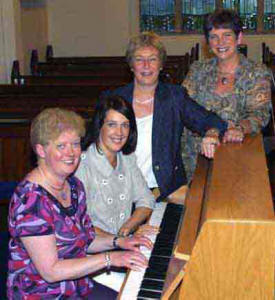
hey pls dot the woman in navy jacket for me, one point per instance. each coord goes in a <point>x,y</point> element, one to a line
<point>162,111</point>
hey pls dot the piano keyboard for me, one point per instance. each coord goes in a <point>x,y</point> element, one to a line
<point>148,283</point>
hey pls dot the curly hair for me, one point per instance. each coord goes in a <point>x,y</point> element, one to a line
<point>51,122</point>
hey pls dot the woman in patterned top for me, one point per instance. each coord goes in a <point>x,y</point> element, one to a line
<point>108,169</point>
<point>235,88</point>
<point>51,233</point>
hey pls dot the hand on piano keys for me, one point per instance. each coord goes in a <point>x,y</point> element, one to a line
<point>147,230</point>
<point>132,259</point>
<point>149,283</point>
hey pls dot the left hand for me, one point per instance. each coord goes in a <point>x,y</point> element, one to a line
<point>147,229</point>
<point>125,230</point>
<point>208,145</point>
<point>233,135</point>
<point>133,243</point>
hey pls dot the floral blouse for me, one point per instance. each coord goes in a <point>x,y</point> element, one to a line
<point>35,212</point>
<point>111,192</point>
<point>250,100</point>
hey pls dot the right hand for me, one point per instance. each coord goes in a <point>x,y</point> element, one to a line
<point>233,135</point>
<point>134,242</point>
<point>146,229</point>
<point>133,260</point>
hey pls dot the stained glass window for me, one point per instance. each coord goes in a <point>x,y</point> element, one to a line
<point>157,15</point>
<point>161,15</point>
<point>269,14</point>
<point>193,12</point>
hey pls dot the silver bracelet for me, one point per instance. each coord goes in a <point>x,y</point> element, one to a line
<point>108,262</point>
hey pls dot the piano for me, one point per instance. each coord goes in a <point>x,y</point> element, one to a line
<point>227,232</point>
<point>149,284</point>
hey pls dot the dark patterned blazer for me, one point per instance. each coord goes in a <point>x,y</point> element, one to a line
<point>173,110</point>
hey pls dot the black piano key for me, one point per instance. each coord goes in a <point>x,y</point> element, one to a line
<point>152,285</point>
<point>169,224</point>
<point>155,274</point>
<point>148,295</point>
<point>158,267</point>
<point>162,252</point>
<point>152,274</point>
<point>163,243</point>
<point>159,260</point>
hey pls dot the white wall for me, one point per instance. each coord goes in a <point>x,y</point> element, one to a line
<point>88,27</point>
<point>34,25</point>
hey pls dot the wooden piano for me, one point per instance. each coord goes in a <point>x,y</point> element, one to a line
<point>227,233</point>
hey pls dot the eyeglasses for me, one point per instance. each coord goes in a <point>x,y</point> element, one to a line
<point>114,125</point>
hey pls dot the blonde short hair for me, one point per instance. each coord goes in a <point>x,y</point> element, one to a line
<point>145,39</point>
<point>51,122</point>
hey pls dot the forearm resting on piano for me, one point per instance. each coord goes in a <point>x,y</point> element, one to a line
<point>102,232</point>
<point>140,215</point>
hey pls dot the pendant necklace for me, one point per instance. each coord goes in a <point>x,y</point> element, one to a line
<point>224,80</point>
<point>225,77</point>
<point>59,190</point>
<point>144,101</point>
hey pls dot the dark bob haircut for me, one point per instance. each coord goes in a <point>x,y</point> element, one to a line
<point>222,18</point>
<point>120,105</point>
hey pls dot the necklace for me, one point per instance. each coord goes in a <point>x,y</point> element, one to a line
<point>60,190</point>
<point>144,101</point>
<point>224,80</point>
<point>225,77</point>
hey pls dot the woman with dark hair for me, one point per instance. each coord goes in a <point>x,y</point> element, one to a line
<point>112,179</point>
<point>108,169</point>
<point>235,88</point>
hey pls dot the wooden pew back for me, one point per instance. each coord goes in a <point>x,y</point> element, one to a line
<point>174,69</point>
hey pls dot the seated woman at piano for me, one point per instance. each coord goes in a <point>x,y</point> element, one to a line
<point>235,88</point>
<point>162,111</point>
<point>52,237</point>
<point>108,169</point>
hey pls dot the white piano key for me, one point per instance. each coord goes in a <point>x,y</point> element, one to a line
<point>135,278</point>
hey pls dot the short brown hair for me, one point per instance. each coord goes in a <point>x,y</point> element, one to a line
<point>222,18</point>
<point>51,122</point>
<point>145,39</point>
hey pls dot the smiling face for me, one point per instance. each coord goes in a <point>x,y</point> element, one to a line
<point>146,66</point>
<point>61,156</point>
<point>223,43</point>
<point>114,133</point>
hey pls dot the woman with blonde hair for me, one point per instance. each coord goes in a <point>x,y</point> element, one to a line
<point>162,111</point>
<point>52,237</point>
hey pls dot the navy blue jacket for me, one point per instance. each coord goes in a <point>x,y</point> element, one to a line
<point>173,109</point>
